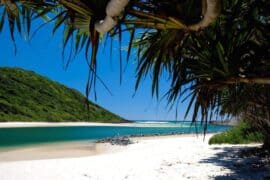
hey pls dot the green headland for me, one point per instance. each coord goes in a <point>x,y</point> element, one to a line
<point>27,96</point>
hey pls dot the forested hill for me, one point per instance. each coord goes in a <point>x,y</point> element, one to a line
<point>27,96</point>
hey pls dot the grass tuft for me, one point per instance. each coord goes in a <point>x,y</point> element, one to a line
<point>240,134</point>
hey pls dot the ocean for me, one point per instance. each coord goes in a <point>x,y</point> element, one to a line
<point>18,136</point>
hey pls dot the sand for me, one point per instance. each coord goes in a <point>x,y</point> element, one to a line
<point>53,151</point>
<point>50,124</point>
<point>155,158</point>
<point>56,124</point>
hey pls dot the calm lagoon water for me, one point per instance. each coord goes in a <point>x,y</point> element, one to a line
<point>17,136</point>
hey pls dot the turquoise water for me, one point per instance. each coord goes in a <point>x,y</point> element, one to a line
<point>34,135</point>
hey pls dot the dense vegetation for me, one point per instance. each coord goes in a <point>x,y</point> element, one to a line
<point>243,133</point>
<point>27,96</point>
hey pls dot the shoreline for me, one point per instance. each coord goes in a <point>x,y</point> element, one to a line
<point>35,146</point>
<point>57,124</point>
<point>67,124</point>
<point>78,149</point>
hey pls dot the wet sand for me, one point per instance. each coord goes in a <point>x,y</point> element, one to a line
<point>53,151</point>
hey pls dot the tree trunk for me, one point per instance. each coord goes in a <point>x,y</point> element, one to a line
<point>266,143</point>
<point>210,11</point>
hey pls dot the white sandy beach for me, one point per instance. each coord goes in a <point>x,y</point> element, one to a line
<point>152,158</point>
<point>56,124</point>
<point>50,124</point>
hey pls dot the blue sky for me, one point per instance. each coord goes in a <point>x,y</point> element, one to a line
<point>43,55</point>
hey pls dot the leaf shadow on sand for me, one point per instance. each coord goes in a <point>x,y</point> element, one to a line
<point>242,166</point>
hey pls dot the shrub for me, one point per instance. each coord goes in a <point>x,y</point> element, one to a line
<point>240,134</point>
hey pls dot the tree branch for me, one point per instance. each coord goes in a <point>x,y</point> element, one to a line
<point>212,11</point>
<point>261,80</point>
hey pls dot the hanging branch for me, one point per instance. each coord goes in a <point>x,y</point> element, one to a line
<point>211,10</point>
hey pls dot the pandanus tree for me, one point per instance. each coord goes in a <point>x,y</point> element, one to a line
<point>211,49</point>
<point>85,22</point>
<point>250,102</point>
